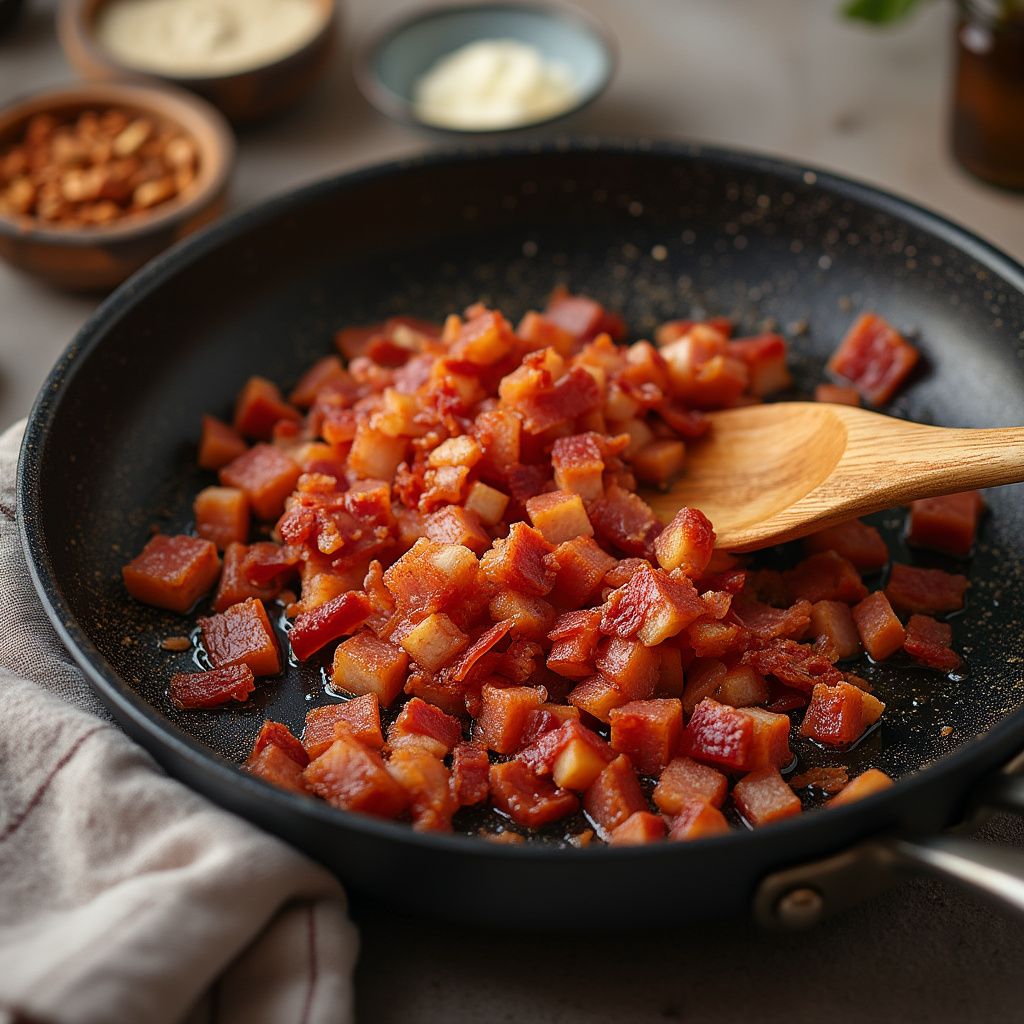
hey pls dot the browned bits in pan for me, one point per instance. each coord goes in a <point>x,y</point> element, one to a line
<point>94,168</point>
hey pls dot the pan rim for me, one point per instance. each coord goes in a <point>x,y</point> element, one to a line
<point>863,816</point>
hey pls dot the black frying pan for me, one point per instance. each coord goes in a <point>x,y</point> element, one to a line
<point>654,231</point>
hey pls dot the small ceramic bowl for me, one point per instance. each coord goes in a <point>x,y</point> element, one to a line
<point>389,65</point>
<point>244,96</point>
<point>96,258</point>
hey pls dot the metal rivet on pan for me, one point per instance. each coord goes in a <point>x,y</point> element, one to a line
<point>800,908</point>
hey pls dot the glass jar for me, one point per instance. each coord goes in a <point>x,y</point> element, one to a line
<point>988,106</point>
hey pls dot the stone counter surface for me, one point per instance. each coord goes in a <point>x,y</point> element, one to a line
<point>787,77</point>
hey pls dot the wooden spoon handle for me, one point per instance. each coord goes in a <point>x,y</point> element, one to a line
<point>922,462</point>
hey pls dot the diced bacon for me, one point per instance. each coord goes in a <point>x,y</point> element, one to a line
<point>880,631</point>
<point>235,585</point>
<point>279,735</point>
<point>454,525</point>
<point>671,330</point>
<point>836,394</point>
<point>483,339</point>
<point>825,576</point>
<point>573,395</point>
<point>742,687</point>
<point>860,544</point>
<point>696,819</point>
<point>579,566</point>
<point>702,680</point>
<point>871,781</point>
<point>614,795</point>
<point>266,563</point>
<point>462,668</point>
<point>470,774</point>
<point>526,798</point>
<point>764,622</point>
<point>242,635</point>
<point>640,828</point>
<point>597,696</point>
<point>659,461</point>
<point>578,463</point>
<point>574,639</point>
<point>531,617</point>
<point>222,515</point>
<point>172,572</point>
<point>763,797</point>
<point>430,576</point>
<point>425,726</point>
<point>559,516</point>
<point>273,765</point>
<point>259,407</point>
<point>632,665</point>
<point>625,521</point>
<point>503,714</point>
<point>947,524</point>
<point>433,642</point>
<point>765,358</point>
<point>838,715</point>
<point>322,373</point>
<point>928,591</point>
<point>795,664</point>
<point>211,689</point>
<point>685,780</point>
<point>367,664</point>
<point>353,777</point>
<point>875,358</point>
<point>686,543</point>
<point>833,621</point>
<point>648,732</point>
<point>929,642</point>
<point>360,717</point>
<point>581,317</point>
<point>567,751</point>
<point>539,331</point>
<point>652,606</point>
<point>486,502</point>
<point>219,444</point>
<point>737,739</point>
<point>338,617</point>
<point>518,562</point>
<point>498,432</point>
<point>428,785</point>
<point>266,475</point>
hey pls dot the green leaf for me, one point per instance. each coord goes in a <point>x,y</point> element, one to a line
<point>879,12</point>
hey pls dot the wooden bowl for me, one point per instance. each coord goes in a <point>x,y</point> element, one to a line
<point>96,258</point>
<point>243,96</point>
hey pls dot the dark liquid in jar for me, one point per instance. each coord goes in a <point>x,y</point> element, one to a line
<point>988,114</point>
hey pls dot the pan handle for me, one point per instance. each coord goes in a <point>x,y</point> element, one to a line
<point>800,897</point>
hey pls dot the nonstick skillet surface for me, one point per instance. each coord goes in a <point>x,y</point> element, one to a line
<point>654,232</point>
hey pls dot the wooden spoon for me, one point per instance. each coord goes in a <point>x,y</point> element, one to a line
<point>768,473</point>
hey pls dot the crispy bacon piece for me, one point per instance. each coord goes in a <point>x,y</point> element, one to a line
<point>367,664</point>
<point>222,515</point>
<point>578,463</point>
<point>319,376</point>
<point>211,689</point>
<point>652,606</point>
<point>946,524</point>
<point>614,795</point>
<point>597,696</point>
<point>625,521</point>
<point>685,780</point>
<point>335,618</point>
<point>696,819</point>
<point>765,358</point>
<point>579,566</point>
<point>574,638</point>
<point>273,765</point>
<point>825,576</point>
<point>686,543</point>
<point>360,718</point>
<point>648,731</point>
<point>559,516</point>
<point>875,358</point>
<point>928,591</point>
<point>880,631</point>
<point>219,444</point>
<point>833,622</point>
<point>172,572</point>
<point>860,544</point>
<point>428,785</point>
<point>871,781</point>
<point>425,727</point>
<point>518,562</point>
<point>470,774</point>
<point>280,736</point>
<point>763,797</point>
<point>266,476</point>
<point>353,777</point>
<point>795,664</point>
<point>260,406</point>
<point>764,622</point>
<point>242,635</point>
<point>430,577</point>
<point>503,714</point>
<point>929,642</point>
<point>640,828</point>
<point>526,798</point>
<point>737,739</point>
<point>838,715</point>
<point>235,585</point>
<point>583,318</point>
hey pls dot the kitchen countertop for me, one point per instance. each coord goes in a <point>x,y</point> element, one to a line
<point>783,76</point>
